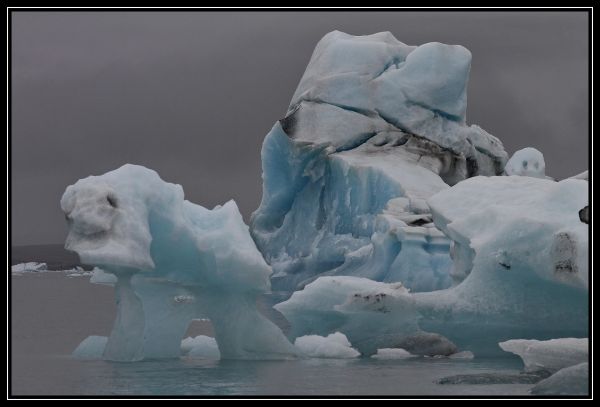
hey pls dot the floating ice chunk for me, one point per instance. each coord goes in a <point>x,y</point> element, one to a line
<point>334,346</point>
<point>100,276</point>
<point>572,381</point>
<point>91,347</point>
<point>201,346</point>
<point>361,309</point>
<point>465,354</point>
<point>551,355</point>
<point>160,247</point>
<point>526,162</point>
<point>29,267</point>
<point>392,353</point>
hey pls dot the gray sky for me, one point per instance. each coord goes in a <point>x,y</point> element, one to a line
<point>191,95</point>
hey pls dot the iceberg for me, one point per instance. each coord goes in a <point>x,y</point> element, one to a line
<point>29,267</point>
<point>392,353</point>
<point>551,355</point>
<point>174,261</point>
<point>374,129</point>
<point>521,264</point>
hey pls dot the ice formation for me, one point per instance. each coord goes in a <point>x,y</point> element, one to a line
<point>551,355</point>
<point>383,219</point>
<point>374,128</point>
<point>174,261</point>
<point>333,346</point>
<point>572,380</point>
<point>520,264</point>
<point>201,346</point>
<point>29,267</point>
<point>526,162</point>
<point>392,353</point>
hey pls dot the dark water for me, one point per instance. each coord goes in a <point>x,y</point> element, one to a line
<point>52,313</point>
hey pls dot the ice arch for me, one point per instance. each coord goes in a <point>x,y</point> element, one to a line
<point>174,261</point>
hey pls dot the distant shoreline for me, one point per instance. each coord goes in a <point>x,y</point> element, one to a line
<point>54,255</point>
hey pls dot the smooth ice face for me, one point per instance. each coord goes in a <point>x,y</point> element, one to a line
<point>526,162</point>
<point>173,261</point>
<point>373,130</point>
<point>551,355</point>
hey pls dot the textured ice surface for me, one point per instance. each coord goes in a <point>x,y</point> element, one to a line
<point>524,253</point>
<point>174,261</point>
<point>572,380</point>
<point>334,346</point>
<point>374,128</point>
<point>201,346</point>
<point>392,353</point>
<point>527,162</point>
<point>551,355</point>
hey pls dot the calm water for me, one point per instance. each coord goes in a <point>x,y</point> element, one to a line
<point>62,375</point>
<point>52,313</point>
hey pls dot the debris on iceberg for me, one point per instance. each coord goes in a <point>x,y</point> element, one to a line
<point>163,249</point>
<point>374,129</point>
<point>526,162</point>
<point>333,346</point>
<point>372,315</point>
<point>551,355</point>
<point>569,381</point>
<point>201,346</point>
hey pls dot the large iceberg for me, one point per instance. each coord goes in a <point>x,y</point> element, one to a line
<point>174,261</point>
<point>374,128</point>
<point>520,267</point>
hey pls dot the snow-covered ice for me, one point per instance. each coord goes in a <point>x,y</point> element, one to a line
<point>526,162</point>
<point>333,346</point>
<point>161,247</point>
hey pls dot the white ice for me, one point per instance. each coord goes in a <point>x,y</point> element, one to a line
<point>201,346</point>
<point>526,162</point>
<point>392,353</point>
<point>551,355</point>
<point>333,346</point>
